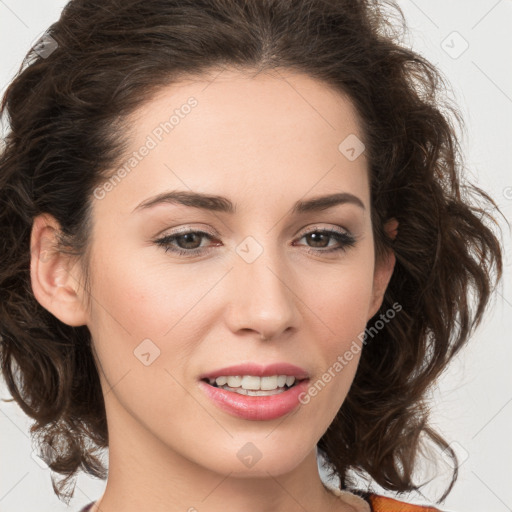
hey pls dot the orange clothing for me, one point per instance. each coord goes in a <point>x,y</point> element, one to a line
<point>384,504</point>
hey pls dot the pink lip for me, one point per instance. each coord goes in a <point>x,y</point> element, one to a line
<point>259,371</point>
<point>259,408</point>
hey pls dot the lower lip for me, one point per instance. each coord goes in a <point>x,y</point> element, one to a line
<point>259,408</point>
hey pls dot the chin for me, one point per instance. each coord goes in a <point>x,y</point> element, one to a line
<point>259,457</point>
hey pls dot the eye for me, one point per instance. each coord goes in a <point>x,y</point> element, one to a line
<point>189,243</point>
<point>321,237</point>
<point>186,241</point>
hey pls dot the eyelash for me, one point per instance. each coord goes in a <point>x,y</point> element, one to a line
<point>345,239</point>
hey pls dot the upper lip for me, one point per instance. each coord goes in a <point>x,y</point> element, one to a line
<point>258,370</point>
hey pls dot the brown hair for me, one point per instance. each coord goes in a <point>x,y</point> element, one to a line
<point>66,111</point>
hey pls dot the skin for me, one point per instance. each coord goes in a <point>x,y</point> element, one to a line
<point>171,448</point>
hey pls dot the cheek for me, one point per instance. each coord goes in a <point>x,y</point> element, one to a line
<point>140,300</point>
<point>148,314</point>
<point>136,312</point>
<point>342,306</point>
<point>343,299</point>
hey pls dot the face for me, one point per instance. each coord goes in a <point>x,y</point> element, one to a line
<point>183,287</point>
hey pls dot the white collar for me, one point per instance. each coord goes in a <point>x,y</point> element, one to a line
<point>350,498</point>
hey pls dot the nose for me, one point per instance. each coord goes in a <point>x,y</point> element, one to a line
<point>261,298</point>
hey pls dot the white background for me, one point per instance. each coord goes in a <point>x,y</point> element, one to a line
<point>472,406</point>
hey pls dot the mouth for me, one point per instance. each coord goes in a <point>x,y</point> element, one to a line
<point>252,379</point>
<point>253,385</point>
<point>264,397</point>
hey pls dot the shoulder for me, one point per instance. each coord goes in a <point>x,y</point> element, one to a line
<point>383,504</point>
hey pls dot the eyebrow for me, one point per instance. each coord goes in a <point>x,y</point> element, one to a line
<point>223,204</point>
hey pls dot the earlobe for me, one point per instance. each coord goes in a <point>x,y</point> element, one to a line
<point>53,281</point>
<point>391,228</point>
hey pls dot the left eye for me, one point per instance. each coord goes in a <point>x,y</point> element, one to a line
<point>189,243</point>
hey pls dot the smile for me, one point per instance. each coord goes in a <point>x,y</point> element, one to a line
<point>252,385</point>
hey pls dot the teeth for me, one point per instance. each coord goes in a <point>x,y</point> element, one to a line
<point>234,381</point>
<point>268,383</point>
<point>251,392</point>
<point>253,383</point>
<point>220,381</point>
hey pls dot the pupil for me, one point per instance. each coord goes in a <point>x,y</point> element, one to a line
<point>316,238</point>
<point>187,238</point>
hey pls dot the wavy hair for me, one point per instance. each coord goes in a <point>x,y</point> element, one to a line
<point>67,110</point>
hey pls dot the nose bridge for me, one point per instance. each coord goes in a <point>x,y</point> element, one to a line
<point>263,299</point>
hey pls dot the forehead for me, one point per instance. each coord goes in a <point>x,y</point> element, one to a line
<point>261,103</point>
<point>281,131</point>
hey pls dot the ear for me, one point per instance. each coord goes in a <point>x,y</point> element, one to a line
<point>54,275</point>
<point>383,269</point>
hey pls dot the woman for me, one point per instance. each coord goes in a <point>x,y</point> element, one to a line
<point>235,235</point>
